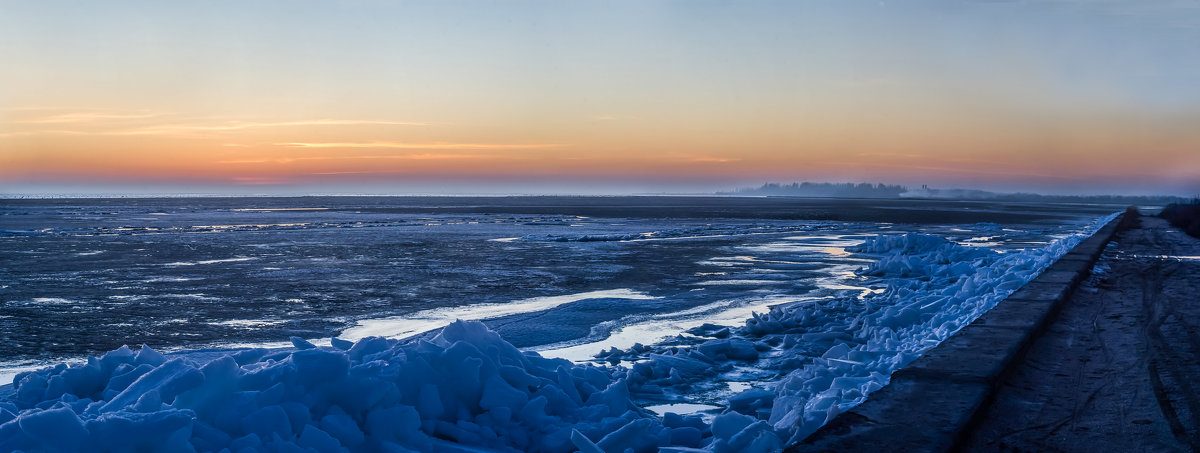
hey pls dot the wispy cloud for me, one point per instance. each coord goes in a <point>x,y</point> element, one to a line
<point>719,160</point>
<point>335,173</point>
<point>88,117</point>
<point>424,156</point>
<point>434,145</point>
<point>42,132</point>
<point>141,123</point>
<point>891,155</point>
<point>682,157</point>
<point>175,129</point>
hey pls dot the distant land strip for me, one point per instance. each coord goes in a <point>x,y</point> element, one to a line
<point>868,190</point>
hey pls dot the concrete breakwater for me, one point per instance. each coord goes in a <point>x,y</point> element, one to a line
<point>930,403</point>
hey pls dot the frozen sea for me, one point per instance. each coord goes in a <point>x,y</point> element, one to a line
<point>565,276</point>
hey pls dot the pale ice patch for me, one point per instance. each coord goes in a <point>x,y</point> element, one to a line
<point>863,290</point>
<point>1168,257</point>
<point>787,247</point>
<point>168,279</point>
<point>52,301</point>
<point>223,260</point>
<point>682,408</point>
<point>649,329</point>
<point>740,282</point>
<point>246,225</point>
<point>196,296</point>
<point>10,370</point>
<point>982,241</point>
<point>843,281</point>
<point>279,209</point>
<point>738,386</point>
<point>426,320</point>
<point>246,323</point>
<point>129,296</point>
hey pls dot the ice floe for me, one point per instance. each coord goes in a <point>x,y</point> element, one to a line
<point>426,320</point>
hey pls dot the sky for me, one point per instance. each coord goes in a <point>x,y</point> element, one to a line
<point>1097,96</point>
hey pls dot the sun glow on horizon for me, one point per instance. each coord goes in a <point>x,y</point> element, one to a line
<point>658,93</point>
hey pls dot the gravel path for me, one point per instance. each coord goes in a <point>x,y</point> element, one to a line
<point>1119,370</point>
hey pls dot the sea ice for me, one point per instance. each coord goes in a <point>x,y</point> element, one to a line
<point>466,389</point>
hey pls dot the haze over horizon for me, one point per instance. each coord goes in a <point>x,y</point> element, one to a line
<point>1061,97</point>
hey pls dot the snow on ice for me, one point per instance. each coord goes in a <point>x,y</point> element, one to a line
<point>466,389</point>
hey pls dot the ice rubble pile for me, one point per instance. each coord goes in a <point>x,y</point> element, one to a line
<point>935,287</point>
<point>826,356</point>
<point>464,388</point>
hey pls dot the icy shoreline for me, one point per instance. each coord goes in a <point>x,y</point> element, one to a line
<point>470,387</point>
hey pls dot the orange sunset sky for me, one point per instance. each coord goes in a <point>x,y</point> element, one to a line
<point>597,97</point>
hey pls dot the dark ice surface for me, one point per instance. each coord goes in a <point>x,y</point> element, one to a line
<point>83,276</point>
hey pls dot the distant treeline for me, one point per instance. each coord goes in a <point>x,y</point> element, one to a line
<point>867,190</point>
<point>1185,216</point>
